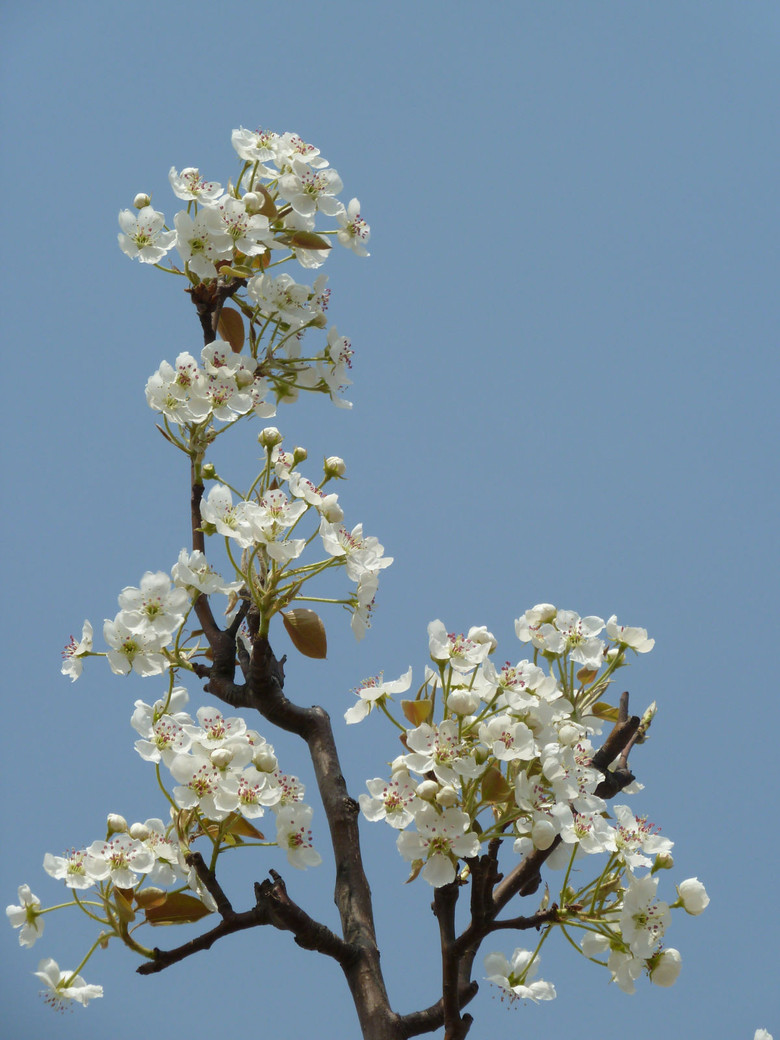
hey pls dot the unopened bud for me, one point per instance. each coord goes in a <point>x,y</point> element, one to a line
<point>663,861</point>
<point>463,702</point>
<point>208,472</point>
<point>427,790</point>
<point>299,455</point>
<point>270,437</point>
<point>142,200</point>
<point>319,321</point>
<point>116,824</point>
<point>543,834</point>
<point>221,757</point>
<point>253,202</point>
<point>447,797</point>
<point>139,831</point>
<point>265,760</point>
<point>398,765</point>
<point>334,466</point>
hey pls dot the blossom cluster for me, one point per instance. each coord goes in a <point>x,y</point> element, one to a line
<point>147,634</point>
<point>225,776</point>
<point>510,757</point>
<point>237,235</point>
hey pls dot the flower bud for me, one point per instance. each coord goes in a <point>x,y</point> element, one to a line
<point>569,733</point>
<point>447,797</point>
<point>139,831</point>
<point>208,472</point>
<point>398,765</point>
<point>299,455</point>
<point>142,201</point>
<point>543,834</point>
<point>663,861</point>
<point>334,466</point>
<point>270,437</point>
<point>116,824</point>
<point>265,760</point>
<point>693,896</point>
<point>319,321</point>
<point>665,967</point>
<point>253,202</point>
<point>428,789</point>
<point>221,757</point>
<point>463,702</point>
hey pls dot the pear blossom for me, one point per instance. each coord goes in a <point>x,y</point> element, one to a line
<point>580,635</point>
<point>508,738</point>
<point>440,749</point>
<point>126,858</point>
<point>79,869</point>
<point>294,836</point>
<point>64,986</point>
<point>354,231</point>
<point>360,553</point>
<point>142,236</point>
<point>462,652</point>
<point>635,638</point>
<point>155,608</point>
<point>193,573</point>
<point>27,917</point>
<point>363,603</point>
<point>394,801</point>
<point>372,691</point>
<point>189,185</point>
<point>636,840</point>
<point>255,145</point>
<point>516,977</point>
<point>201,241</point>
<point>249,233</point>
<point>308,190</point>
<point>643,918</point>
<point>134,651</point>
<point>73,652</point>
<point>441,839</point>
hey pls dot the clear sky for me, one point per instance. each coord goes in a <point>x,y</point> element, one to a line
<point>565,390</point>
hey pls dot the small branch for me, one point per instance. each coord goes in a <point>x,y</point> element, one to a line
<point>273,907</point>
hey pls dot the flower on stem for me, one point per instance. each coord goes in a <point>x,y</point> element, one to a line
<point>142,236</point>
<point>294,836</point>
<point>79,869</point>
<point>189,185</point>
<point>515,977</point>
<point>635,638</point>
<point>394,801</point>
<point>441,839</point>
<point>354,232</point>
<point>372,691</point>
<point>73,652</point>
<point>27,916</point>
<point>124,856</point>
<point>64,987</point>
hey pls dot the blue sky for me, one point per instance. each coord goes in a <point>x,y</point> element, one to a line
<point>565,390</point>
